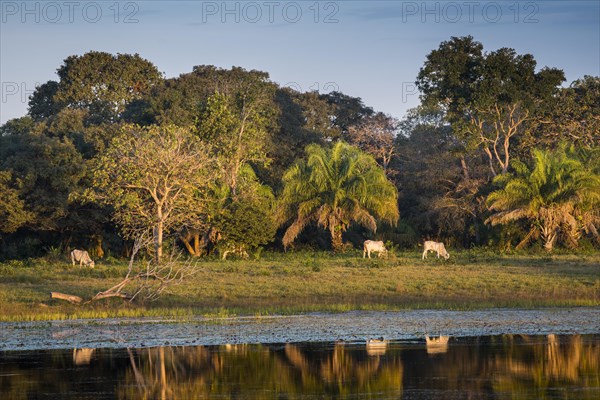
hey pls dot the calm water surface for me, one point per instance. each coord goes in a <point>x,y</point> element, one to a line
<point>487,367</point>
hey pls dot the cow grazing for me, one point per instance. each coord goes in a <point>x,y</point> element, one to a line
<point>83,257</point>
<point>373,245</point>
<point>435,246</point>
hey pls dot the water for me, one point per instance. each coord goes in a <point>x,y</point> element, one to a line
<point>315,327</point>
<point>482,367</point>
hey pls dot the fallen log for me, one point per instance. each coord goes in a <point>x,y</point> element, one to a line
<point>68,297</point>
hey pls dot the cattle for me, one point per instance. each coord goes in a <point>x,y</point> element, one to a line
<point>373,245</point>
<point>83,257</point>
<point>435,246</point>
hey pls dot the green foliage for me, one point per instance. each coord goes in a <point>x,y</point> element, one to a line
<point>44,171</point>
<point>17,126</point>
<point>348,111</point>
<point>571,115</point>
<point>246,220</point>
<point>13,214</point>
<point>42,103</point>
<point>560,197</point>
<point>238,125</point>
<point>304,119</point>
<point>481,114</point>
<point>102,83</point>
<point>491,98</point>
<point>151,176</point>
<point>334,188</point>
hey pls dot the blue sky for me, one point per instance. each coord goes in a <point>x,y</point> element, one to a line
<point>369,49</point>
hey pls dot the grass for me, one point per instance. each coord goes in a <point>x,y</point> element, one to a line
<point>312,281</point>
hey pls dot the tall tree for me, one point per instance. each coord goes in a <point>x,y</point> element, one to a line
<point>304,118</point>
<point>490,98</point>
<point>238,119</point>
<point>237,126</point>
<point>559,197</point>
<point>102,83</point>
<point>333,188</point>
<point>152,177</point>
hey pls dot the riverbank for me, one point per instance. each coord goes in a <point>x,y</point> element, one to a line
<point>356,326</point>
<point>295,283</point>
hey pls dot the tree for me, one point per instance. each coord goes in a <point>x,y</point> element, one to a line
<point>559,198</point>
<point>102,83</point>
<point>18,126</point>
<point>491,99</point>
<point>573,115</point>
<point>440,184</point>
<point>376,135</point>
<point>151,176</point>
<point>238,119</point>
<point>304,118</point>
<point>237,128</point>
<point>42,103</point>
<point>333,188</point>
<point>13,214</point>
<point>348,111</point>
<point>245,221</point>
<point>44,171</point>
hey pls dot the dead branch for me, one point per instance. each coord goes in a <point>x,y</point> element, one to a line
<point>152,281</point>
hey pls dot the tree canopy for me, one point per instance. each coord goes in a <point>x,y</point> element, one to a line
<point>222,157</point>
<point>151,176</point>
<point>490,98</point>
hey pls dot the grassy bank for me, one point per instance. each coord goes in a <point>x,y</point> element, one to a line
<point>307,281</point>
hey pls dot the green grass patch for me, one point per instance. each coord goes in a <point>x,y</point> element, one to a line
<point>300,282</point>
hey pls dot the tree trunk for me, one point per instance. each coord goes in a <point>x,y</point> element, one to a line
<point>68,297</point>
<point>465,169</point>
<point>336,238</point>
<point>188,246</point>
<point>197,243</point>
<point>549,242</point>
<point>158,241</point>
<point>491,161</point>
<point>98,251</point>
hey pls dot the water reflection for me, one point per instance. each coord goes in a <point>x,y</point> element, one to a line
<point>437,345</point>
<point>509,366</point>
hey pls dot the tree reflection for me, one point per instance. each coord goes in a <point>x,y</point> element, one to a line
<point>258,371</point>
<point>549,365</point>
<point>508,366</point>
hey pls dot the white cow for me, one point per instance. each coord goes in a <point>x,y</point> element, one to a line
<point>435,246</point>
<point>373,245</point>
<point>83,257</point>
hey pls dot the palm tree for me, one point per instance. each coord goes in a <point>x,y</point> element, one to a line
<point>560,197</point>
<point>335,187</point>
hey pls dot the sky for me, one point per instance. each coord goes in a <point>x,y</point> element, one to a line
<point>368,49</point>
